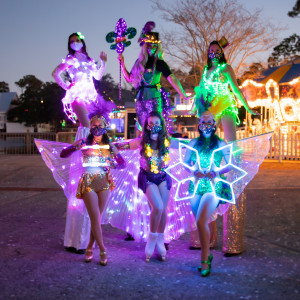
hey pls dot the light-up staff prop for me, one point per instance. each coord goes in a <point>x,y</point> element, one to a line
<point>211,167</point>
<point>118,37</point>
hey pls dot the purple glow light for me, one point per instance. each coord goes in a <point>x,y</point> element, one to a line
<point>121,28</point>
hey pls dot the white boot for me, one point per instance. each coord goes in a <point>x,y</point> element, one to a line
<point>161,249</point>
<point>150,246</point>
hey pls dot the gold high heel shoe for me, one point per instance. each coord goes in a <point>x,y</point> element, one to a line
<point>88,255</point>
<point>103,262</point>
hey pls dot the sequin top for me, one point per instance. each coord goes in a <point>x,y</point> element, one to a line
<point>96,158</point>
<point>155,160</point>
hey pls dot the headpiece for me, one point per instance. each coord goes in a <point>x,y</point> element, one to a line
<point>98,117</point>
<point>100,110</point>
<point>147,36</point>
<point>223,42</point>
<point>80,35</point>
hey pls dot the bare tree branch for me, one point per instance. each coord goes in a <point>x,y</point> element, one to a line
<point>198,22</point>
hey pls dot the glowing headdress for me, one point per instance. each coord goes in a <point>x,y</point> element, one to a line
<point>100,110</point>
<point>147,36</point>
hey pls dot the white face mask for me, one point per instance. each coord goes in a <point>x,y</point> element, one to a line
<point>76,46</point>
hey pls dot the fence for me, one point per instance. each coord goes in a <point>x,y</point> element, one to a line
<point>283,146</point>
<point>23,143</point>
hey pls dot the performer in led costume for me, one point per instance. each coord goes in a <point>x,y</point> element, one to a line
<point>80,92</point>
<point>204,202</point>
<point>152,180</point>
<point>80,95</point>
<point>146,73</point>
<point>216,93</point>
<point>96,181</point>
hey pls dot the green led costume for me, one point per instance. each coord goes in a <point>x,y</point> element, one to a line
<point>204,186</point>
<point>214,94</point>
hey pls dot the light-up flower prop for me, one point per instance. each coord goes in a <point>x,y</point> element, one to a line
<point>119,39</point>
<point>217,184</point>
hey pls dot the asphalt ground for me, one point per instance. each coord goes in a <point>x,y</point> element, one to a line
<point>34,264</point>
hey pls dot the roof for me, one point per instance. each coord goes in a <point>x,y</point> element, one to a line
<point>5,100</point>
<point>282,74</point>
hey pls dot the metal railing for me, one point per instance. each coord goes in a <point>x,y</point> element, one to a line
<point>283,146</point>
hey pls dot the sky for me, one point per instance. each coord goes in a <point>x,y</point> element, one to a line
<point>34,32</point>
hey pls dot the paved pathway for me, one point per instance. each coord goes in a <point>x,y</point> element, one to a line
<point>34,264</point>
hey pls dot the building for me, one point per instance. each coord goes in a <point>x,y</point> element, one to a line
<point>5,102</point>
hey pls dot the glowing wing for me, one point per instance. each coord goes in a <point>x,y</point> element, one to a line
<point>66,171</point>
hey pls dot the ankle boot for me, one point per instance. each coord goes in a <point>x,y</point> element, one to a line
<point>161,249</point>
<point>150,246</point>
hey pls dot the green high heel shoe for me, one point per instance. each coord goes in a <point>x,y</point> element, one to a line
<point>206,272</point>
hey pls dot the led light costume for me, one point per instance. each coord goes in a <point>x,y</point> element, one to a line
<point>75,74</point>
<point>217,93</point>
<point>127,207</point>
<point>214,95</point>
<point>77,229</point>
<point>203,180</point>
<point>81,70</point>
<point>145,77</point>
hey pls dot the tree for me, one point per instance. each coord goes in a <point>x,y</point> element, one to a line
<point>253,72</point>
<point>295,11</point>
<point>4,87</point>
<point>198,22</point>
<point>287,50</point>
<point>109,89</point>
<point>38,103</point>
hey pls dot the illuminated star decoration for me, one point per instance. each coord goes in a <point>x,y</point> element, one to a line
<point>212,166</point>
<point>118,37</point>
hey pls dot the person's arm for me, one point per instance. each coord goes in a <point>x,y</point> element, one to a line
<point>69,150</point>
<point>187,158</point>
<point>229,73</point>
<point>57,76</point>
<point>177,86</point>
<point>103,58</point>
<point>129,144</point>
<point>197,97</point>
<point>226,155</point>
<point>125,73</point>
<point>121,164</point>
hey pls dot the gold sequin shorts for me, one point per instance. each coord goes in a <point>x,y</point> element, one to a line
<point>95,182</point>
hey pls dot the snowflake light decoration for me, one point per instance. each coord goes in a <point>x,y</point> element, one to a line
<point>212,167</point>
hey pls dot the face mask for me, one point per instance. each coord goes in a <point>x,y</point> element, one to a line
<point>154,128</point>
<point>152,49</point>
<point>213,55</point>
<point>76,46</point>
<point>207,128</point>
<point>97,131</point>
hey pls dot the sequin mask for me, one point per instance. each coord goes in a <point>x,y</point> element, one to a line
<point>97,131</point>
<point>207,128</point>
<point>154,128</point>
<point>213,55</point>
